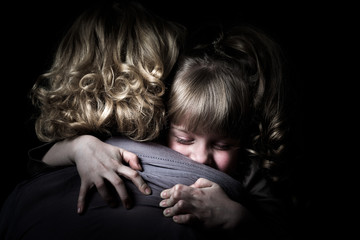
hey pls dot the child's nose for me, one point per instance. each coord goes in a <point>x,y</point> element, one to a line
<point>202,154</point>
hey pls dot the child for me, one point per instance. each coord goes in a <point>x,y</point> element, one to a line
<point>225,110</point>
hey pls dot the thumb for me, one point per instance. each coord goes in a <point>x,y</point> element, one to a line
<point>202,183</point>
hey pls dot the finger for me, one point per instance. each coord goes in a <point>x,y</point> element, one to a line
<point>135,177</point>
<point>105,193</point>
<point>168,202</point>
<point>131,159</point>
<point>174,194</point>
<point>165,193</point>
<point>202,183</point>
<point>120,188</point>
<point>168,198</point>
<point>82,197</point>
<point>185,219</point>
<point>181,207</point>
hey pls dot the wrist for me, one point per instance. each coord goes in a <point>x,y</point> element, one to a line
<point>239,215</point>
<point>77,145</point>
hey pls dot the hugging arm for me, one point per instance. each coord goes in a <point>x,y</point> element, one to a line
<point>97,163</point>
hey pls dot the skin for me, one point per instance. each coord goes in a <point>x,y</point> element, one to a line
<point>210,149</point>
<point>96,162</point>
<point>203,203</point>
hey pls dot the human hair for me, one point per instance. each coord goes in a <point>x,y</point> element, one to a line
<point>230,82</point>
<point>107,75</point>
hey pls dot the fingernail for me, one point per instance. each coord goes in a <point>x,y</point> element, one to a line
<point>127,204</point>
<point>162,203</point>
<point>163,194</point>
<point>166,212</point>
<point>147,190</point>
<point>139,166</point>
<point>79,210</point>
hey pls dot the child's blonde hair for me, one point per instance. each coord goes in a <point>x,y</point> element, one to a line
<point>230,83</point>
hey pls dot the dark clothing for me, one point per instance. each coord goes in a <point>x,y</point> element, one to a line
<point>45,208</point>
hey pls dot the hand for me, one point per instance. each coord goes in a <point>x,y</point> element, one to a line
<point>97,161</point>
<point>203,203</point>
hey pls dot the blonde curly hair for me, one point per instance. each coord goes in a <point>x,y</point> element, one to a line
<point>107,75</point>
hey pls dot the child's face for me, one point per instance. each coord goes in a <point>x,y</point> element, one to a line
<point>216,151</point>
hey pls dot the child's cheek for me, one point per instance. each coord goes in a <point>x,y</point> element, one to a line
<point>178,147</point>
<point>223,161</point>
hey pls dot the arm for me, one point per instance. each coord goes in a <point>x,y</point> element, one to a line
<point>96,162</point>
<point>35,165</point>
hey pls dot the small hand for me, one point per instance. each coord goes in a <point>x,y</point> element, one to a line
<point>203,203</point>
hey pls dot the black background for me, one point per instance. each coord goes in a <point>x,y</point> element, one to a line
<point>31,31</point>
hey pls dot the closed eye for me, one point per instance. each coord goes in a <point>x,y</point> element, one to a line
<point>222,147</point>
<point>184,141</point>
<point>225,146</point>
